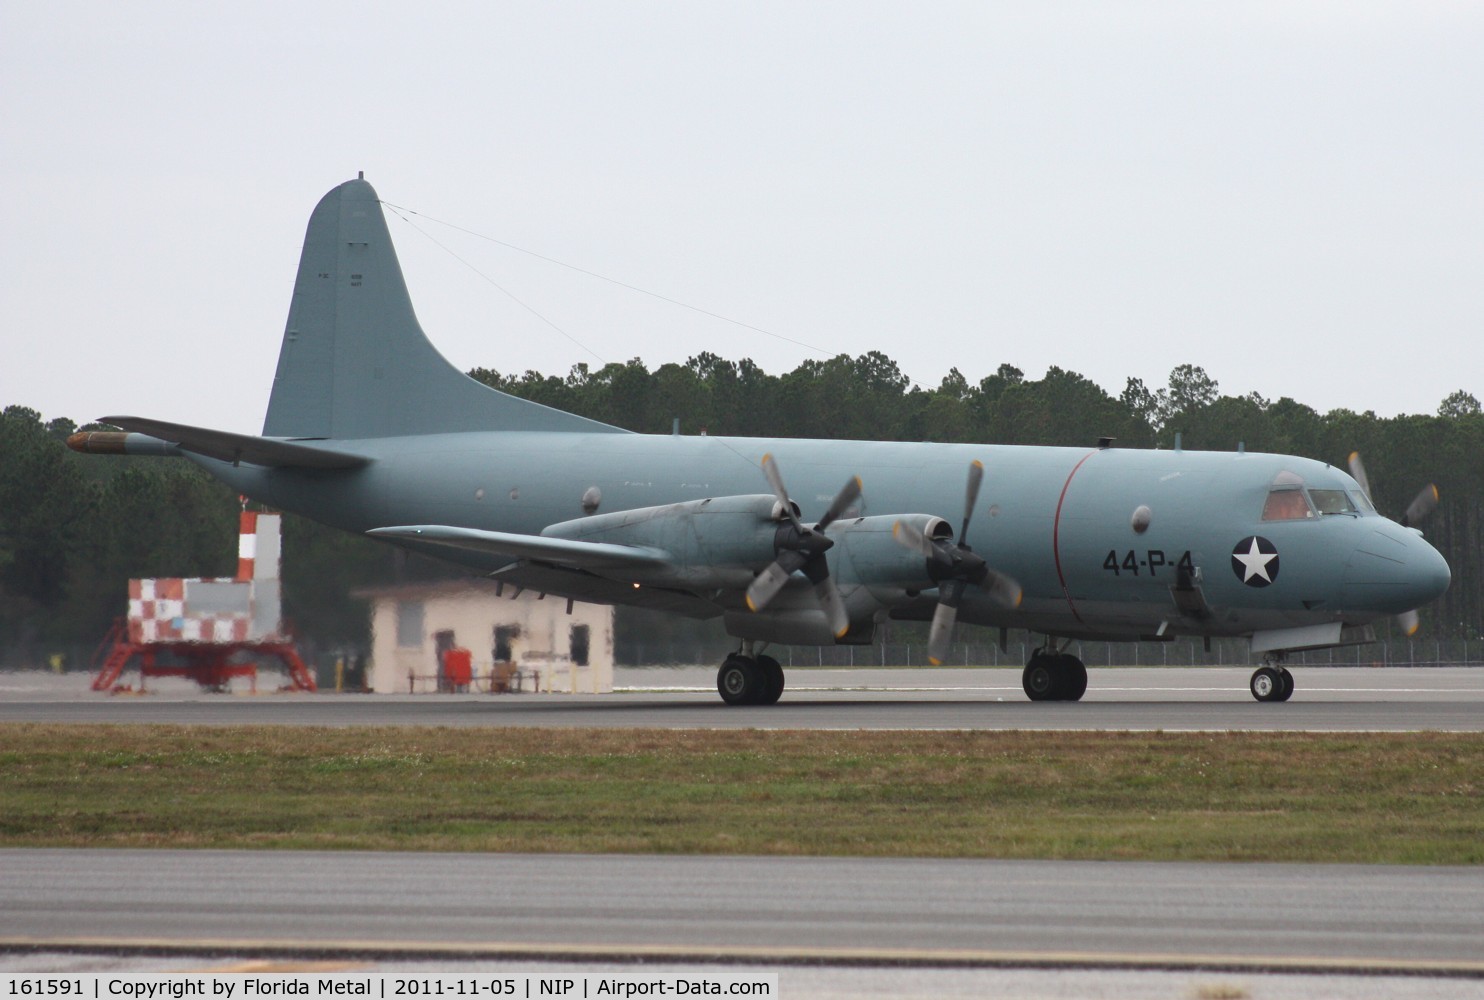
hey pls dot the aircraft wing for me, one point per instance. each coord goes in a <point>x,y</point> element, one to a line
<point>585,586</point>
<point>228,447</point>
<point>561,551</point>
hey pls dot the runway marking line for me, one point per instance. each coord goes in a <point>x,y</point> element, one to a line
<point>273,950</point>
<point>1205,689</point>
<point>269,967</point>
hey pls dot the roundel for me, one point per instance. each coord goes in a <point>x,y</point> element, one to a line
<point>1255,561</point>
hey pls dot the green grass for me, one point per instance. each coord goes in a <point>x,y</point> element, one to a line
<point>1391,798</point>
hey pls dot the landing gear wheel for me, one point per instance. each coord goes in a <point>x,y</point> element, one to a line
<point>1287,684</point>
<point>771,688</point>
<point>1267,684</point>
<point>1072,679</point>
<point>739,681</point>
<point>1054,677</point>
<point>1039,679</point>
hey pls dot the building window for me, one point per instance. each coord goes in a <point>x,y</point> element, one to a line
<point>505,636</point>
<point>410,624</point>
<point>581,640</point>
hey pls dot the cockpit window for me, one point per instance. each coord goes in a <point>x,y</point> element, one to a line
<point>1363,502</point>
<point>1286,505</point>
<point>1332,502</point>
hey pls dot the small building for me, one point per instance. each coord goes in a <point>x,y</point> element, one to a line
<point>517,640</point>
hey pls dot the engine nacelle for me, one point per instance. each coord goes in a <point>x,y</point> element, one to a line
<point>718,543</point>
<point>870,557</point>
<point>717,546</point>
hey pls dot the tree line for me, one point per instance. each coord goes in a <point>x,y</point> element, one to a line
<point>74,529</point>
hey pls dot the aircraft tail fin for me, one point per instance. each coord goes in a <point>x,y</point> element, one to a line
<point>355,363</point>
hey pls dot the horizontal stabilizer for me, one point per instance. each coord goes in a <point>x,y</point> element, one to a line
<point>562,551</point>
<point>228,447</point>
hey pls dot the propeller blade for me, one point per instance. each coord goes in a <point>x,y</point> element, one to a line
<point>775,480</point>
<point>971,497</point>
<point>1357,469</point>
<point>1002,589</point>
<point>833,605</point>
<point>909,536</point>
<point>849,494</point>
<point>770,581</point>
<point>1420,507</point>
<point>1409,622</point>
<point>940,636</point>
<point>1417,511</point>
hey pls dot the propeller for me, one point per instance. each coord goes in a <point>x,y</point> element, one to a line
<point>1421,506</point>
<point>800,547</point>
<point>953,566</point>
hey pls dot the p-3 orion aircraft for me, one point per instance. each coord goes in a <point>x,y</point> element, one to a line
<point>371,430</point>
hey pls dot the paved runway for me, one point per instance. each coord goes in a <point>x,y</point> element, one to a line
<point>1170,699</point>
<point>779,910</point>
<point>761,909</point>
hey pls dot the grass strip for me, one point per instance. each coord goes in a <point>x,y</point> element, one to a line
<point>1376,798</point>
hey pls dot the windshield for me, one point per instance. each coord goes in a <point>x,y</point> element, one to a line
<point>1286,504</point>
<point>1332,502</point>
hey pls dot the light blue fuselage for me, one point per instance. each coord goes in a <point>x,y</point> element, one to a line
<point>369,428</point>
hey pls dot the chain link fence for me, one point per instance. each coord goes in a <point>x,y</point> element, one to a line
<point>1420,652</point>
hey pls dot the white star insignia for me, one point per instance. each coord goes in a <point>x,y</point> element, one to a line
<point>1255,562</point>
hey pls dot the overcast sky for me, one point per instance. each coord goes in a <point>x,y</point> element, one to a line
<point>1290,195</point>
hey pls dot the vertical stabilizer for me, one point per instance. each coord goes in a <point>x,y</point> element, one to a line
<point>354,361</point>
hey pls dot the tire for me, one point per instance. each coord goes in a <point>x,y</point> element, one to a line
<point>1287,679</point>
<point>1266,684</point>
<point>1073,680</point>
<point>771,688</point>
<point>738,681</point>
<point>1039,679</point>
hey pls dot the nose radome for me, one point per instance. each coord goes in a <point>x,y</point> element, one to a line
<point>1430,571</point>
<point>1394,569</point>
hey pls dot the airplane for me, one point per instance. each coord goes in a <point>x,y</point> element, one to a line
<point>369,429</point>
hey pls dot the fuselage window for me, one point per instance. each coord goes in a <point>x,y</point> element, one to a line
<point>1286,505</point>
<point>1332,502</point>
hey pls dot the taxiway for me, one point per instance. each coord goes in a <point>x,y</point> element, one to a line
<point>930,912</point>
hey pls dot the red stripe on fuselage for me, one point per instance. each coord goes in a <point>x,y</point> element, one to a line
<point>1056,533</point>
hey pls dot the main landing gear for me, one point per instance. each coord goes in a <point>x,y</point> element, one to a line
<point>1053,676</point>
<point>1271,681</point>
<point>745,679</point>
